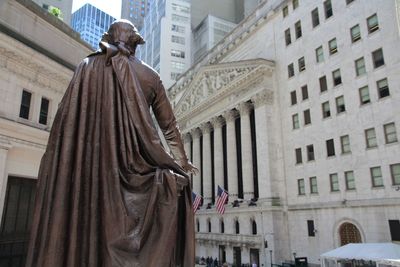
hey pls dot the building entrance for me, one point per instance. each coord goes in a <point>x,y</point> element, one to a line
<point>237,257</point>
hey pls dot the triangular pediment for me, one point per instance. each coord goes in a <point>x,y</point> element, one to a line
<point>214,80</point>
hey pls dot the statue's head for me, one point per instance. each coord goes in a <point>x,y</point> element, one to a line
<point>123,33</point>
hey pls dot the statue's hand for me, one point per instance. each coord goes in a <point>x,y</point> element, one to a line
<point>190,168</point>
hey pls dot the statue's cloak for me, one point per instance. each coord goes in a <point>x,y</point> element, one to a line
<point>107,193</point>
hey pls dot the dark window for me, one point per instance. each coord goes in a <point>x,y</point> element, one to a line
<point>383,88</point>
<point>290,70</point>
<point>288,38</point>
<point>310,153</point>
<point>198,225</point>
<point>297,28</point>
<point>285,11</point>
<point>337,77</point>
<point>323,86</point>
<point>307,117</point>
<point>330,148</point>
<point>295,4</point>
<point>326,110</point>
<point>311,229</point>
<point>46,7</point>
<point>304,92</point>
<point>25,104</point>
<point>340,106</point>
<point>254,227</point>
<point>315,17</point>
<point>372,23</point>
<point>222,227</point>
<point>377,58</point>
<point>332,46</point>
<point>299,159</point>
<point>302,64</point>
<point>44,111</point>
<point>237,227</point>
<point>364,95</point>
<point>328,9</point>
<point>293,97</point>
<point>209,225</point>
<point>394,226</point>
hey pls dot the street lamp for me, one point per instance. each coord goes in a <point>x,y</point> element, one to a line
<point>270,254</point>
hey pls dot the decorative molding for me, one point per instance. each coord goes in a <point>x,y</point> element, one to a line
<point>230,239</point>
<point>196,133</point>
<point>244,108</point>
<point>264,97</point>
<point>217,122</point>
<point>4,139</point>
<point>206,128</point>
<point>230,115</point>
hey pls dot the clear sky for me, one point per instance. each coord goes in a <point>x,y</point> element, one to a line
<point>111,7</point>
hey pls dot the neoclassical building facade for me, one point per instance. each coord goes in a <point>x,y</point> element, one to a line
<point>295,114</point>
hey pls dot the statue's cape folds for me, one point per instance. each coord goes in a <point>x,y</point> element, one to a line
<point>107,192</point>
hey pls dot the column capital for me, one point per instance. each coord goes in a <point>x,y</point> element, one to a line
<point>186,137</point>
<point>196,133</point>
<point>217,122</point>
<point>262,98</point>
<point>205,127</point>
<point>244,108</point>
<point>230,115</point>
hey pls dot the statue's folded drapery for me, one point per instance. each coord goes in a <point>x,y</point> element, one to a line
<point>107,192</point>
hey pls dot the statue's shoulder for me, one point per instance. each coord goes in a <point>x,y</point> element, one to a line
<point>145,68</point>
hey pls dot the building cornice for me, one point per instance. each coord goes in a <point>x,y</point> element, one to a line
<point>230,239</point>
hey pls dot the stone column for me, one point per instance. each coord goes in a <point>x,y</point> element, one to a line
<point>230,117</point>
<point>247,157</point>
<point>217,123</point>
<point>262,140</point>
<point>196,160</point>
<point>3,173</point>
<point>207,181</point>
<point>186,142</point>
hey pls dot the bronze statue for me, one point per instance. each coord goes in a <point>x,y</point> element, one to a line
<point>108,193</point>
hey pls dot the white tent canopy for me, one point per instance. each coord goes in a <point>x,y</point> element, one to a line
<point>381,253</point>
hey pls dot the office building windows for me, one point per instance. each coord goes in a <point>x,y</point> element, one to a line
<point>299,158</point>
<point>304,92</point>
<point>372,23</point>
<point>315,17</point>
<point>326,110</point>
<point>25,104</point>
<point>337,77</point>
<point>302,64</point>
<point>301,187</point>
<point>295,4</point>
<point>370,138</point>
<point>390,133</point>
<point>288,38</point>
<point>319,54</point>
<point>360,66</point>
<point>310,153</point>
<point>340,107</point>
<point>285,11</point>
<point>310,228</point>
<point>395,173</point>
<point>350,181</point>
<point>328,9</point>
<point>364,95</point>
<point>177,53</point>
<point>297,28</point>
<point>334,181</point>
<point>345,144</point>
<point>177,28</point>
<point>178,39</point>
<point>313,185</point>
<point>44,111</point>
<point>377,58</point>
<point>295,121</point>
<point>332,46</point>
<point>293,98</point>
<point>290,70</point>
<point>355,33</point>
<point>330,148</point>
<point>307,117</point>
<point>376,177</point>
<point>383,88</point>
<point>323,86</point>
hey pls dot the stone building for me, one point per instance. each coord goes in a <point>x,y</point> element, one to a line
<point>295,113</point>
<point>38,54</point>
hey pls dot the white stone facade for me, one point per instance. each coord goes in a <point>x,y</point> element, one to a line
<point>249,69</point>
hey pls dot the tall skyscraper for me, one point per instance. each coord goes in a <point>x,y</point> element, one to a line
<point>167,31</point>
<point>91,23</point>
<point>65,6</point>
<point>135,11</point>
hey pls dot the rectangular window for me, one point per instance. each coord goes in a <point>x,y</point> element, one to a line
<point>177,65</point>
<point>372,23</point>
<point>323,86</point>
<point>297,28</point>
<point>326,110</point>
<point>333,178</point>
<point>179,18</point>
<point>364,95</point>
<point>288,38</point>
<point>25,104</point>
<point>390,133</point>
<point>310,227</point>
<point>300,187</point>
<point>355,33</point>
<point>377,58</point>
<point>302,64</point>
<point>350,182</point>
<point>178,39</point>
<point>285,11</point>
<point>370,138</point>
<point>177,28</point>
<point>360,66</point>
<point>328,9</point>
<point>376,176</point>
<point>337,77</point>
<point>177,53</point>
<point>395,173</point>
<point>319,54</point>
<point>394,226</point>
<point>345,144</point>
<point>315,17</point>
<point>180,8</point>
<point>307,117</point>
<point>313,185</point>
<point>304,92</point>
<point>290,70</point>
<point>295,121</point>
<point>330,148</point>
<point>44,111</point>
<point>383,88</point>
<point>299,159</point>
<point>293,97</point>
<point>340,107</point>
<point>332,46</point>
<point>310,153</point>
<point>295,4</point>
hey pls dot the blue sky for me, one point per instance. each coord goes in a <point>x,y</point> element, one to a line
<point>112,7</point>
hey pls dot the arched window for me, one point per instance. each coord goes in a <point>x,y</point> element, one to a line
<point>237,227</point>
<point>254,226</point>
<point>349,233</point>
<point>222,226</point>
<point>209,225</point>
<point>198,225</point>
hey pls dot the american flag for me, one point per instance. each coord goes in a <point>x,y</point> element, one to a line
<point>222,195</point>
<point>196,201</point>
